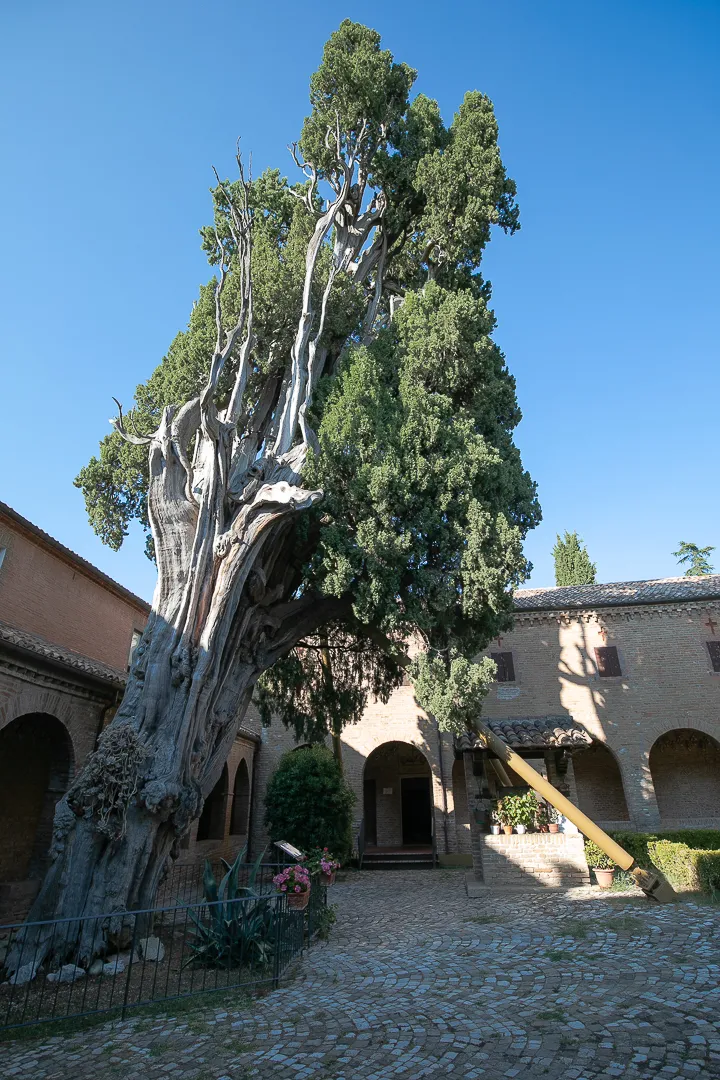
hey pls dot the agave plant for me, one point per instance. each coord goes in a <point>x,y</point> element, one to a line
<point>238,927</point>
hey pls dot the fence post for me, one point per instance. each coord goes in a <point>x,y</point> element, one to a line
<point>279,920</point>
<point>133,946</point>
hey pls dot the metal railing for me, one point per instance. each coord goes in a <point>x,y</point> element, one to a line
<point>184,884</point>
<point>148,956</point>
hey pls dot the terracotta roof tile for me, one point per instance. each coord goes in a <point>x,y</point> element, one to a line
<point>532,732</point>
<point>33,643</point>
<point>619,593</point>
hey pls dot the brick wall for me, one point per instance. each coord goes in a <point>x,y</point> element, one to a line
<point>599,785</point>
<point>667,683</point>
<point>534,859</point>
<point>48,595</point>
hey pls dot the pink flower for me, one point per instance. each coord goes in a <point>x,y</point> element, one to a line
<point>298,889</point>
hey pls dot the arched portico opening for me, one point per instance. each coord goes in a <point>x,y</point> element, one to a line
<point>685,770</point>
<point>36,763</point>
<point>241,801</point>
<point>397,793</point>
<point>599,784</point>
<point>211,825</point>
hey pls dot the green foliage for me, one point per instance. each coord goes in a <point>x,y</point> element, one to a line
<point>309,803</point>
<point>426,502</point>
<point>687,868</point>
<point>238,927</point>
<point>638,844</point>
<point>323,921</point>
<point>518,809</point>
<point>696,557</point>
<point>572,562</point>
<point>596,857</point>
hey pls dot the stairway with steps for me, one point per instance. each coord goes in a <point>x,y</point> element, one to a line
<point>402,858</point>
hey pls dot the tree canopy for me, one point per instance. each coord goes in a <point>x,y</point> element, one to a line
<point>572,562</point>
<point>425,501</point>
<point>695,558</point>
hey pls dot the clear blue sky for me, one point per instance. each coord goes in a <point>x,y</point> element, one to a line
<point>607,300</point>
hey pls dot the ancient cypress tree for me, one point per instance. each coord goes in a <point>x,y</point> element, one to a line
<point>326,452</point>
<point>572,562</point>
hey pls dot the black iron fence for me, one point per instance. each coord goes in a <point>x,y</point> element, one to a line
<point>112,963</point>
<point>184,884</point>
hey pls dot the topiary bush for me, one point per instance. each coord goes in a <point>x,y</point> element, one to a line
<point>596,857</point>
<point>309,803</point>
<point>637,844</point>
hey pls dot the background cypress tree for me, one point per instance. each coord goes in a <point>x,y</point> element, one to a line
<point>696,557</point>
<point>572,562</point>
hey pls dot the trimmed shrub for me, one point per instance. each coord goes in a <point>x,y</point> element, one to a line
<point>636,844</point>
<point>596,857</point>
<point>685,867</point>
<point>309,803</point>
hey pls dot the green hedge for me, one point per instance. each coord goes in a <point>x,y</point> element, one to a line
<point>637,843</point>
<point>689,858</point>
<point>686,867</point>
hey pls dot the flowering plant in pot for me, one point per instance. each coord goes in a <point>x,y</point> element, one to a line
<point>600,863</point>
<point>294,881</point>
<point>495,822</point>
<point>323,862</point>
<point>554,817</point>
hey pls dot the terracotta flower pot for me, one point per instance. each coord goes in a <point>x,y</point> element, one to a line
<point>327,879</point>
<point>298,900</point>
<point>507,829</point>
<point>604,877</point>
<point>554,826</point>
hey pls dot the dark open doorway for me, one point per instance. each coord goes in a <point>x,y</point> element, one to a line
<point>416,810</point>
<point>370,808</point>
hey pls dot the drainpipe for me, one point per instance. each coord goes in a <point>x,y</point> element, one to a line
<point>444,789</point>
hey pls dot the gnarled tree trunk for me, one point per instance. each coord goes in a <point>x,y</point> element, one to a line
<point>224,488</point>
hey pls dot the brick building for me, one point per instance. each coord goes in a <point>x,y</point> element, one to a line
<point>612,691</point>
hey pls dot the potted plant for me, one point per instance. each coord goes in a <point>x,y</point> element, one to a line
<point>294,881</point>
<point>601,863</point>
<point>521,810</point>
<point>496,823</point>
<point>505,815</point>
<point>554,817</point>
<point>329,866</point>
<point>541,817</point>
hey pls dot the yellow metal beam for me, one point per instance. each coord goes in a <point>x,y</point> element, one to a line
<point>652,883</point>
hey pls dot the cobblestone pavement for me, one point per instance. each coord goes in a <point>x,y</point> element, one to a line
<point>420,981</point>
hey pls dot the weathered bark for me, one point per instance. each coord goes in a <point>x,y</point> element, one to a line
<point>222,495</point>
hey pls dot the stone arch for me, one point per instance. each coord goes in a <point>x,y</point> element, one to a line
<point>685,770</point>
<point>462,808</point>
<point>241,801</point>
<point>211,825</point>
<point>599,784</point>
<point>36,764</point>
<point>63,707</point>
<point>398,796</point>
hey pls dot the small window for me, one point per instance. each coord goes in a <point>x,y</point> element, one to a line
<point>505,666</point>
<point>714,650</point>
<point>608,664</point>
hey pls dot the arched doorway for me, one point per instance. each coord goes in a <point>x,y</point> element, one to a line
<point>462,809</point>
<point>599,784</point>
<point>397,790</point>
<point>36,763</point>
<point>212,820</point>
<point>685,770</point>
<point>241,801</point>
